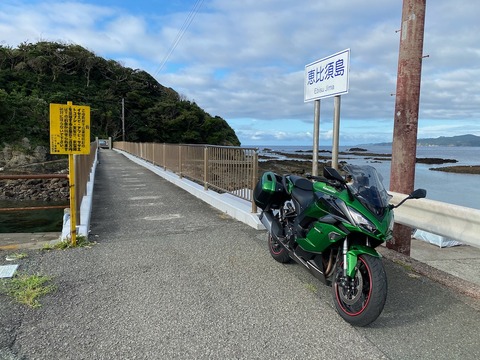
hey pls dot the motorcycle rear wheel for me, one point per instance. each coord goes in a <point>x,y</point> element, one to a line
<point>277,250</point>
<point>361,303</point>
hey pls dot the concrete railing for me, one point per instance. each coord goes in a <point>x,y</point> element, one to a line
<point>451,221</point>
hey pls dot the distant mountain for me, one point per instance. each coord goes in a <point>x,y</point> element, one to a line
<point>460,140</point>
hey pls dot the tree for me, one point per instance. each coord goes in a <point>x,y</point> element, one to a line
<point>33,75</point>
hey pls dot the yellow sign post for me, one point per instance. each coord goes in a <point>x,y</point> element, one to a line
<point>70,134</point>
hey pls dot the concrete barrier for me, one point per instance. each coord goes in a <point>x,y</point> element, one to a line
<point>451,221</point>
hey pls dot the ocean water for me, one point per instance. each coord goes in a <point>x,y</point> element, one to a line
<point>458,189</point>
<point>27,221</point>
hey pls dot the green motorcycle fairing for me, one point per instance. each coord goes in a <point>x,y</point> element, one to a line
<point>352,257</point>
<point>333,225</point>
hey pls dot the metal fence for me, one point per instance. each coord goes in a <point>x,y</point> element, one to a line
<point>83,166</point>
<point>223,168</point>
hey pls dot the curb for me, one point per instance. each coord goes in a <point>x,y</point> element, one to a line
<point>21,241</point>
<point>461,286</point>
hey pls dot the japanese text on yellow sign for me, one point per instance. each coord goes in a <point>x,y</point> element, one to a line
<point>69,129</point>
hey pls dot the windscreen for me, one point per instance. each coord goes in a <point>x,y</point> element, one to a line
<point>366,184</point>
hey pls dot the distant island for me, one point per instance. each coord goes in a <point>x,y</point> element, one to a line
<point>460,140</point>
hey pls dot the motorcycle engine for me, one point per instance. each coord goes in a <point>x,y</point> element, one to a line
<point>288,216</point>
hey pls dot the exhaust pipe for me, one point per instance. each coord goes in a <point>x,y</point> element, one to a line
<point>271,223</point>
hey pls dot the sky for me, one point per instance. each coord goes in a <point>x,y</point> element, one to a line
<point>245,60</point>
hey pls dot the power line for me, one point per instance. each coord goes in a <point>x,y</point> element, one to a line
<point>180,34</point>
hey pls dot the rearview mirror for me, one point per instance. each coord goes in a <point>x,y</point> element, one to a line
<point>418,194</point>
<point>332,174</point>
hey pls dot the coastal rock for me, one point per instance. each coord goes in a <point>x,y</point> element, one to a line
<point>433,161</point>
<point>41,190</point>
<point>23,157</point>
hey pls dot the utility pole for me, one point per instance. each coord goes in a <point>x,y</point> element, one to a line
<point>123,119</point>
<point>404,148</point>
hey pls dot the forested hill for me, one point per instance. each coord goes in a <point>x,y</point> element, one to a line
<point>34,75</point>
<point>460,140</point>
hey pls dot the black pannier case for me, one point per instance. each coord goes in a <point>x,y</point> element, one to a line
<point>269,191</point>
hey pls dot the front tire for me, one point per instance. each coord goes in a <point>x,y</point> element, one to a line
<point>277,250</point>
<point>360,300</point>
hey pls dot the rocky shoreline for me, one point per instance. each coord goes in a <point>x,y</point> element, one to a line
<point>24,159</point>
<point>44,190</point>
<point>303,161</point>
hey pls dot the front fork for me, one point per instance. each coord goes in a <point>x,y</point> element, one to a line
<point>350,256</point>
<point>345,257</point>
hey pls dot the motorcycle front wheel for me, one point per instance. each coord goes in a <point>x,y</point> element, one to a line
<point>360,300</point>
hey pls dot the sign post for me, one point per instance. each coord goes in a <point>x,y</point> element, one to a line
<point>316,131</point>
<point>70,134</point>
<point>324,78</point>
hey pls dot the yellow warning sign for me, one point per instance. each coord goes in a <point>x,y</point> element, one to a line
<point>69,129</point>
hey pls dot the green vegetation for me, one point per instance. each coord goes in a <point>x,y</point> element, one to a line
<point>82,241</point>
<point>460,140</point>
<point>26,289</point>
<point>34,75</point>
<point>16,256</point>
<point>311,287</point>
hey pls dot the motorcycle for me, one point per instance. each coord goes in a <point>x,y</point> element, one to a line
<point>331,225</point>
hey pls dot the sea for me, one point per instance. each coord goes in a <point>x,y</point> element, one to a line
<point>452,188</point>
<point>29,221</point>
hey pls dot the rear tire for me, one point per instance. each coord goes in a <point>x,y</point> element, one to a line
<point>277,250</point>
<point>361,303</point>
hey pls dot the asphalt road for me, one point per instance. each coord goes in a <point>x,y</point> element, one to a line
<point>172,278</point>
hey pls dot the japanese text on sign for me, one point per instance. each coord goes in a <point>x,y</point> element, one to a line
<point>69,129</point>
<point>327,77</point>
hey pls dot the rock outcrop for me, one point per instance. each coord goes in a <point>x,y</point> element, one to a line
<point>25,159</point>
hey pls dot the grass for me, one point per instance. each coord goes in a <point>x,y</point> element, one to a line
<point>311,287</point>
<point>82,241</point>
<point>26,289</point>
<point>407,267</point>
<point>16,256</point>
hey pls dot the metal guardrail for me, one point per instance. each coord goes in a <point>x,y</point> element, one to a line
<point>448,220</point>
<point>223,168</point>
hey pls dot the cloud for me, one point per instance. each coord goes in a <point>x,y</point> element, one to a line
<point>245,60</point>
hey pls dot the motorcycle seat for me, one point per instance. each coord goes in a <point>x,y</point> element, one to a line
<point>302,192</point>
<point>301,183</point>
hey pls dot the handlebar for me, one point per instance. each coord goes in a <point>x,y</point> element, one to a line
<point>317,178</point>
<point>330,182</point>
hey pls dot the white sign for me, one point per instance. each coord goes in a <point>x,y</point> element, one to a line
<point>327,77</point>
<point>7,271</point>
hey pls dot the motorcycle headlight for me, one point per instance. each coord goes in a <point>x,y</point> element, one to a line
<point>361,221</point>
